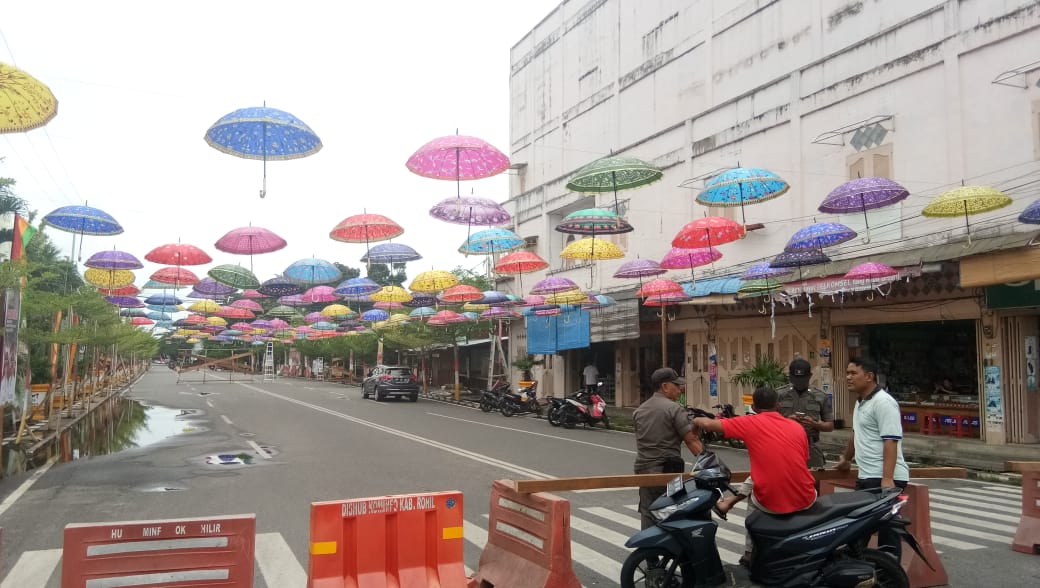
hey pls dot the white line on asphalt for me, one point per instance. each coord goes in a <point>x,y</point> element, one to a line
<point>210,404</point>
<point>954,543</point>
<point>970,533</point>
<point>951,497</point>
<point>14,496</point>
<point>258,449</point>
<point>226,420</point>
<point>1005,489</point>
<point>486,459</point>
<point>32,569</point>
<point>990,497</point>
<point>277,562</point>
<point>557,437</point>
<point>982,520</point>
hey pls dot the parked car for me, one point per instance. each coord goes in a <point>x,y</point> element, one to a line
<point>386,381</point>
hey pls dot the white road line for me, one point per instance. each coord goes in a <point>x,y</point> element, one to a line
<point>591,559</point>
<point>478,457</point>
<point>982,495</point>
<point>634,524</point>
<point>949,498</point>
<point>526,432</point>
<point>985,523</point>
<point>258,449</point>
<point>1005,489</point>
<point>954,543</point>
<point>209,404</point>
<point>971,533</point>
<point>226,420</point>
<point>33,569</point>
<point>277,562</point>
<point>24,487</point>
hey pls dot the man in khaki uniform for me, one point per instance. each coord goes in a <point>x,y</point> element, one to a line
<point>662,426</point>
<point>811,407</point>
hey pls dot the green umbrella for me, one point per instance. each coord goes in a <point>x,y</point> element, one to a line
<point>613,173</point>
<point>760,287</point>
<point>594,221</point>
<point>282,310</point>
<point>235,276</point>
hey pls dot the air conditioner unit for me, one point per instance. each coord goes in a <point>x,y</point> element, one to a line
<point>531,241</point>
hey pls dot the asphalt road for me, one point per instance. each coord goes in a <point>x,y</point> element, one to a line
<point>315,441</point>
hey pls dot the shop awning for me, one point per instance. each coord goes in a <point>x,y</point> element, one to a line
<point>707,287</point>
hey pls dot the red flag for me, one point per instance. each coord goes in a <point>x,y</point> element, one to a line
<point>23,233</point>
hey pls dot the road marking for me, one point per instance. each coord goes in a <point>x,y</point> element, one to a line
<point>14,496</point>
<point>1005,489</point>
<point>226,420</point>
<point>258,449</point>
<point>478,457</point>
<point>32,569</point>
<point>982,495</point>
<point>557,437</point>
<point>590,558</point>
<point>956,544</point>
<point>949,496</point>
<point>278,565</point>
<point>970,533</point>
<point>208,403</point>
<point>977,521</point>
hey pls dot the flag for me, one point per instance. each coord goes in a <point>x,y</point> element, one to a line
<point>23,233</point>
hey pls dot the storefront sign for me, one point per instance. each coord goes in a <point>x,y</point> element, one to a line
<point>994,399</point>
<point>1030,344</point>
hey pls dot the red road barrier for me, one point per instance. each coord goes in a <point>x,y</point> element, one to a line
<point>529,541</point>
<point>1027,537</point>
<point>405,541</point>
<point>917,509</point>
<point>208,551</point>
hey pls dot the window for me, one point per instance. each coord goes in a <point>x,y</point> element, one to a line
<point>885,223</point>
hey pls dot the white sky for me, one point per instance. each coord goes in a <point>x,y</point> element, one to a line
<point>138,87</point>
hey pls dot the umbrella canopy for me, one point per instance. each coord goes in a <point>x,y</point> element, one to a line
<point>520,262</point>
<point>250,241</point>
<point>313,271</point>
<point>388,305</point>
<point>491,241</point>
<point>764,270</point>
<point>25,102</point>
<point>196,295</point>
<point>818,236</point>
<point>758,287</point>
<point>532,300</point>
<point>165,307</point>
<point>158,316</point>
<point>499,313</point>
<point>390,253</point>
<point>253,294</point>
<point>264,133</point>
<point>568,297</point>
<point>163,299</point>
<point>132,312</point>
<point>336,311</point>
<point>293,300</point>
<point>679,258</point>
<point>282,310</point>
<point>474,306</point>
<point>391,294</point>
<point>457,157</point>
<point>130,290</point>
<point>433,281</point>
<point>447,317</point>
<point>863,194</point>
<point>213,287</point>
<point>357,287</point>
<point>666,299</point>
<point>178,254</point>
<point>376,314</point>
<point>494,298</point>
<point>613,173</point>
<point>422,312</point>
<point>230,312</point>
<point>470,210</point>
<point>153,285</point>
<point>248,305</point>
<point>84,220</point>
<point>639,268</point>
<point>1031,214</point>
<point>708,232</point>
<point>319,294</point>
<point>365,228</point>
<point>598,301</point>
<point>553,285</point>
<point>313,317</point>
<point>870,271</point>
<point>280,286</point>
<point>124,301</point>
<point>740,186</point>
<point>109,279</point>
<point>461,293</point>
<point>112,259</point>
<point>799,259</point>
<point>592,248</point>
<point>594,221</point>
<point>234,276</point>
<point>420,299</point>
<point>658,287</point>
<point>141,320</point>
<point>545,310</point>
<point>205,307</point>
<point>966,200</point>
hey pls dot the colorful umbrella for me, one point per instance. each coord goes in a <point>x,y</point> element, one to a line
<point>475,306</point>
<point>742,185</point>
<point>178,254</point>
<point>658,287</point>
<point>592,248</point>
<point>248,305</point>
<point>313,271</point>
<point>491,241</point>
<point>230,312</point>
<point>639,268</point>
<point>357,287</point>
<point>799,259</point>
<point>545,310</point>
<point>25,102</point>
<point>84,220</point>
<point>163,299</point>
<point>390,253</point>
<point>708,232</point>
<point>130,290</point>
<point>1031,214</point>
<point>871,271</point>
<point>234,276</point>
<point>863,194</point>
<point>499,313</point>
<point>568,297</point>
<point>531,300</point>
<point>422,312</point>
<point>141,321</point>
<point>205,307</point>
<point>293,300</point>
<point>758,287</point>
<point>433,281</point>
<point>109,279</point>
<point>195,295</point>
<point>264,133</point>
<point>470,210</point>
<point>313,317</point>
<point>598,301</point>
<point>446,317</point>
<point>594,221</point>
<point>764,270</point>
<point>319,294</point>
<point>132,312</point>
<point>280,286</point>
<point>365,228</point>
<point>282,310</point>
<point>679,258</point>
<point>420,299</point>
<point>553,285</point>
<point>124,301</point>
<point>253,294</point>
<point>613,173</point>
<point>388,305</point>
<point>336,311</point>
<point>153,285</point>
<point>211,287</point>
<point>666,299</point>
<point>966,200</point>
<point>494,298</point>
<point>391,294</point>
<point>818,236</point>
<point>112,259</point>
<point>376,314</point>
<point>461,293</point>
<point>457,157</point>
<point>250,241</point>
<point>520,262</point>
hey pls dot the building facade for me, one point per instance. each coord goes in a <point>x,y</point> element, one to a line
<point>933,94</point>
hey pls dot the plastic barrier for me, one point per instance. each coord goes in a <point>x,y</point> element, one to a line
<point>917,509</point>
<point>529,541</point>
<point>406,541</point>
<point>1027,537</point>
<point>209,551</point>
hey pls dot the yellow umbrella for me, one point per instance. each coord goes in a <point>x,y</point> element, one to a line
<point>337,311</point>
<point>397,319</point>
<point>966,200</point>
<point>216,321</point>
<point>592,248</point>
<point>433,281</point>
<point>471,307</point>
<point>25,102</point>
<point>569,297</point>
<point>205,307</point>
<point>392,294</point>
<point>109,279</point>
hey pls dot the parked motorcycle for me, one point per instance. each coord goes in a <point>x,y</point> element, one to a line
<point>522,401</point>
<point>585,408</point>
<point>492,399</point>
<point>725,411</point>
<point>825,545</point>
<point>555,409</point>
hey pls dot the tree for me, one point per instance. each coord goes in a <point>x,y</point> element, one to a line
<point>347,271</point>
<point>472,278</point>
<point>384,275</point>
<point>766,371</point>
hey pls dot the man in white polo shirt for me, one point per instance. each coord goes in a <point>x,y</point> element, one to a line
<point>877,438</point>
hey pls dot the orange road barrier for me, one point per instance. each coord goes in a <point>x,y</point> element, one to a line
<point>917,509</point>
<point>403,541</point>
<point>209,551</point>
<point>529,541</point>
<point>1027,537</point>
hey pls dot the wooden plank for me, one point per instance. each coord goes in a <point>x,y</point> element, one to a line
<point>637,480</point>
<point>1000,267</point>
<point>1022,466</point>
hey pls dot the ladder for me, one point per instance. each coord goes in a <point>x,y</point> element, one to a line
<point>269,363</point>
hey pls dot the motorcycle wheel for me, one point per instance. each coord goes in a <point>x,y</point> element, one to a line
<point>886,568</point>
<point>507,409</point>
<point>654,567</point>
<point>568,418</point>
<point>486,405</point>
<point>606,422</point>
<point>554,416</point>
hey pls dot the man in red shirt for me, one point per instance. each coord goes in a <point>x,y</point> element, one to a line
<point>778,450</point>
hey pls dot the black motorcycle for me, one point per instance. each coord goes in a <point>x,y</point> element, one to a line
<point>712,437</point>
<point>492,399</point>
<point>825,545</point>
<point>523,401</point>
<point>555,409</point>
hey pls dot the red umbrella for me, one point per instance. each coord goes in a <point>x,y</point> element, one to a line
<point>658,287</point>
<point>250,241</point>
<point>232,312</point>
<point>520,262</point>
<point>365,228</point>
<point>178,254</point>
<point>130,290</point>
<point>708,232</point>
<point>141,320</point>
<point>461,293</point>
<point>175,275</point>
<point>446,317</point>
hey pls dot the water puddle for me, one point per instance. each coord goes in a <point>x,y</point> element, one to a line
<point>161,423</point>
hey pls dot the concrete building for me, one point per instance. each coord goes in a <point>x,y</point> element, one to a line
<point>931,93</point>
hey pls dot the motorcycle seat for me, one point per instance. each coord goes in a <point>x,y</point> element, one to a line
<point>829,506</point>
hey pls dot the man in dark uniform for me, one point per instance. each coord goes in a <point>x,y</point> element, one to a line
<point>811,407</point>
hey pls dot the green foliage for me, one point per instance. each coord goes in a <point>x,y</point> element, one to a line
<point>347,271</point>
<point>524,364</point>
<point>472,278</point>
<point>766,371</point>
<point>384,275</point>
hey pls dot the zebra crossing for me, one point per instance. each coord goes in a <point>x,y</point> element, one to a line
<point>964,518</point>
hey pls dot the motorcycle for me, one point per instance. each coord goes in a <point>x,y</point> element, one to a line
<point>586,408</point>
<point>555,409</point>
<point>725,411</point>
<point>825,545</point>
<point>525,400</point>
<point>492,399</point>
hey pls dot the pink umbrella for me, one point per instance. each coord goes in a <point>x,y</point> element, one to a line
<point>253,294</point>
<point>388,305</point>
<point>279,324</point>
<point>241,326</point>
<point>319,294</point>
<point>231,312</point>
<point>679,258</point>
<point>659,286</point>
<point>871,270</point>
<point>250,241</point>
<point>314,317</point>
<point>457,157</point>
<point>248,305</point>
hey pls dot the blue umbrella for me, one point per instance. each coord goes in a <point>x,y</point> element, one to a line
<point>762,270</point>
<point>1031,214</point>
<point>163,308</point>
<point>741,185</point>
<point>357,288</point>
<point>84,220</point>
<point>818,236</point>
<point>491,241</point>
<point>163,298</point>
<point>423,312</point>
<point>263,133</point>
<point>159,316</point>
<point>376,314</point>
<point>390,253</point>
<point>312,271</point>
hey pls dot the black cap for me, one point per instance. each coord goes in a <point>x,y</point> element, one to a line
<point>799,368</point>
<point>663,375</point>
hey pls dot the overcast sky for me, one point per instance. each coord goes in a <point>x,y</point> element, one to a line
<point>138,87</point>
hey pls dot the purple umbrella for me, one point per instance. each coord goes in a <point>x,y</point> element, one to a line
<point>497,312</point>
<point>469,211</point>
<point>1031,214</point>
<point>113,260</point>
<point>639,268</point>
<point>818,236</point>
<point>213,287</point>
<point>390,253</point>
<point>494,298</point>
<point>763,270</point>
<point>553,285</point>
<point>196,295</point>
<point>124,301</point>
<point>313,317</point>
<point>375,314</point>
<point>293,300</point>
<point>863,194</point>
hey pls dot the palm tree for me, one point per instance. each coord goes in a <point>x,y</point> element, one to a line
<point>766,371</point>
